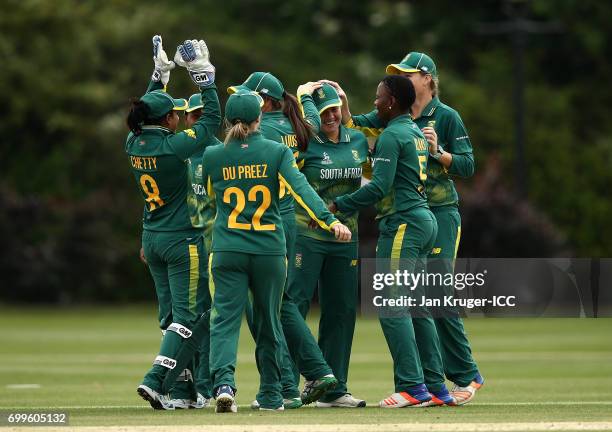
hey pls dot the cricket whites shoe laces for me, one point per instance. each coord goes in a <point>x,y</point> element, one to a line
<point>416,396</point>
<point>465,394</point>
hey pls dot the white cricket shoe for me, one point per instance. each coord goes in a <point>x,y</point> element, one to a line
<point>345,401</point>
<point>158,401</point>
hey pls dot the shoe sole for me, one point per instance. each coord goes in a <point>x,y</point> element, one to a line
<point>361,404</point>
<point>224,404</point>
<point>155,403</point>
<point>319,391</point>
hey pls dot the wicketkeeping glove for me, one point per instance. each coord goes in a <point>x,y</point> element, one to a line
<point>194,56</point>
<point>163,66</point>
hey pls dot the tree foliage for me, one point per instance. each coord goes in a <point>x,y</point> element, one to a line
<point>70,212</point>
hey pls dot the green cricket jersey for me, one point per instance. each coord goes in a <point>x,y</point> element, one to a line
<point>277,127</point>
<point>245,178</point>
<point>399,162</point>
<point>159,159</point>
<point>452,137</point>
<point>333,169</point>
<point>201,206</point>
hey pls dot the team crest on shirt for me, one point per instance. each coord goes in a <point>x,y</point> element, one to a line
<point>326,159</point>
<point>298,260</point>
<point>198,171</point>
<point>356,155</point>
<point>190,133</point>
<point>431,123</point>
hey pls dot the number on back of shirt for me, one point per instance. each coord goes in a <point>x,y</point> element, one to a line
<point>149,187</point>
<point>252,196</point>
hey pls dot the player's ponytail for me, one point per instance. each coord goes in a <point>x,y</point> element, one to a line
<point>236,131</point>
<point>303,131</point>
<point>138,115</point>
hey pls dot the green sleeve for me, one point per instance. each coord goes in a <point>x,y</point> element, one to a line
<point>310,112</point>
<point>369,124</point>
<point>155,85</point>
<point>384,164</point>
<point>458,142</point>
<point>202,133</point>
<point>369,120</point>
<point>303,193</point>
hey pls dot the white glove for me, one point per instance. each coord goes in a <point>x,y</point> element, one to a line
<point>163,66</point>
<point>194,56</point>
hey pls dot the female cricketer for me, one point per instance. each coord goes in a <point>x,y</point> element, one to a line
<point>407,226</point>
<point>332,165</point>
<point>248,250</point>
<point>159,161</point>
<point>292,121</point>
<point>193,387</point>
<point>452,156</point>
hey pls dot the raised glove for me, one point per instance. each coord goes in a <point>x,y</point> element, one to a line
<point>163,66</point>
<point>193,55</point>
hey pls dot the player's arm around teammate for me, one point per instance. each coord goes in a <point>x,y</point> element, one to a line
<point>333,166</point>
<point>172,247</point>
<point>407,227</point>
<point>248,251</point>
<point>449,155</point>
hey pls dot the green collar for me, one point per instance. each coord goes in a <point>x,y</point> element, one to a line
<point>400,118</point>
<point>156,128</point>
<point>430,108</point>
<point>343,136</point>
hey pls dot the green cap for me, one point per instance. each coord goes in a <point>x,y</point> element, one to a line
<point>161,103</point>
<point>326,97</point>
<point>195,102</point>
<point>243,105</point>
<point>414,62</point>
<point>261,82</point>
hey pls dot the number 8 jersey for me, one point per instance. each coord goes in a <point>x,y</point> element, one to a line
<point>245,178</point>
<point>159,161</point>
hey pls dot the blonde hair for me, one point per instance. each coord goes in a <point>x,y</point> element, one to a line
<point>434,86</point>
<point>239,131</point>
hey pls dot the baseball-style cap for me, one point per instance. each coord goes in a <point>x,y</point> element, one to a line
<point>195,102</point>
<point>414,62</point>
<point>326,97</point>
<point>261,82</point>
<point>243,105</point>
<point>161,103</point>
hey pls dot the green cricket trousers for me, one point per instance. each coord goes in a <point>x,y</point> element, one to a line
<point>232,275</point>
<point>177,262</point>
<point>332,267</point>
<point>404,242</point>
<point>459,365</point>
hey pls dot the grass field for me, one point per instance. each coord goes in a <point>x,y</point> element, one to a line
<point>544,374</point>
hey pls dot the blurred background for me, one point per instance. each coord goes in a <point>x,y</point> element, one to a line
<point>529,78</point>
